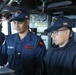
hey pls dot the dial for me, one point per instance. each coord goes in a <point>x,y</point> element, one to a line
<point>42,17</point>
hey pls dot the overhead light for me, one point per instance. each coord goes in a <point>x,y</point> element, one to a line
<point>59,4</point>
<point>55,13</point>
<point>56,4</point>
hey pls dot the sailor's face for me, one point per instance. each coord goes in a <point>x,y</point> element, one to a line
<point>21,26</point>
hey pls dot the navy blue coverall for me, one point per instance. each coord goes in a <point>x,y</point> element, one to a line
<point>24,56</point>
<point>60,61</point>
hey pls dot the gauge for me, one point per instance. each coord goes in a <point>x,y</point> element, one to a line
<point>42,17</point>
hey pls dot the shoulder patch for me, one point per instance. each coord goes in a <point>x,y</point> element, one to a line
<point>41,43</point>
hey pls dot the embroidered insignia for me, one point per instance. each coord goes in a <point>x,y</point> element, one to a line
<point>26,16</point>
<point>41,43</point>
<point>28,46</point>
<point>65,23</point>
<point>10,47</point>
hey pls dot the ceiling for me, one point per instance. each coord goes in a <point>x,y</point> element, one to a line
<point>50,7</point>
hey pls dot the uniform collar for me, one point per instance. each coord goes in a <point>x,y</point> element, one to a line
<point>69,44</point>
<point>25,39</point>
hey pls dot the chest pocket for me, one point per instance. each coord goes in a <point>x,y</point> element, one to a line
<point>10,51</point>
<point>28,51</point>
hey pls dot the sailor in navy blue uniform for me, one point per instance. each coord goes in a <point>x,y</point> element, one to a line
<point>61,58</point>
<point>24,50</point>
